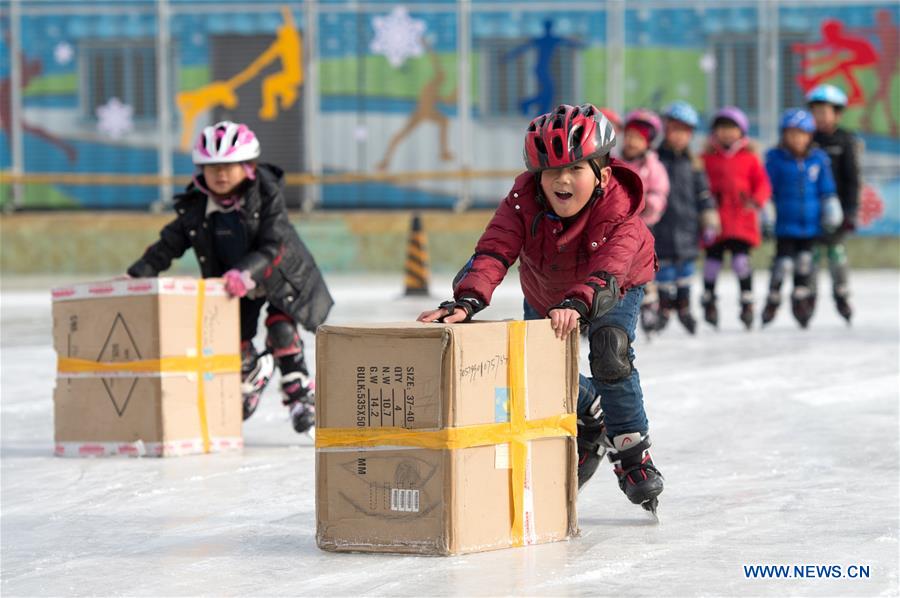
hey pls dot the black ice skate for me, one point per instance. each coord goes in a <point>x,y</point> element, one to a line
<point>685,316</point>
<point>256,371</point>
<point>666,306</point>
<point>747,310</point>
<point>771,309</point>
<point>843,307</point>
<point>649,318</point>
<point>802,306</point>
<point>639,479</point>
<point>298,393</point>
<point>710,311</point>
<point>591,448</point>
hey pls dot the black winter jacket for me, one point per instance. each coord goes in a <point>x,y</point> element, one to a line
<point>678,231</point>
<point>841,147</point>
<point>276,258</point>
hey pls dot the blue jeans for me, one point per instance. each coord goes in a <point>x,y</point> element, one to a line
<point>675,272</point>
<point>623,401</point>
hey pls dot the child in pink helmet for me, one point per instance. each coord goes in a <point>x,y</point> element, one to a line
<point>233,216</point>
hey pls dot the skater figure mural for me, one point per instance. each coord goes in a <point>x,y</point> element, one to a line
<point>29,69</point>
<point>278,89</point>
<point>839,53</point>
<point>426,110</point>
<point>888,35</point>
<point>545,48</point>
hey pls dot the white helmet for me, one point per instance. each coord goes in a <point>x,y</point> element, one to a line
<point>225,142</point>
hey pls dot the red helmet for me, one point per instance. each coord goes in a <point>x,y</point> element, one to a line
<point>567,135</point>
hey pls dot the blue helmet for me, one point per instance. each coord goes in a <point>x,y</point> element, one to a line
<point>682,112</point>
<point>797,118</point>
<point>827,94</point>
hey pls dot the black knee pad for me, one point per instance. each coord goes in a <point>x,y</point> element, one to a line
<point>284,339</point>
<point>609,354</point>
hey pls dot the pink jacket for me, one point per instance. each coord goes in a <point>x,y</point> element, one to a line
<point>656,185</point>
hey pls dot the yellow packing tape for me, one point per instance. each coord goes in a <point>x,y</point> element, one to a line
<point>517,432</point>
<point>199,365</point>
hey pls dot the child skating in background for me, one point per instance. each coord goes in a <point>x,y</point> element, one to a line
<point>642,127</point>
<point>573,222</point>
<point>806,206</point>
<point>233,216</point>
<point>690,214</point>
<point>827,103</point>
<point>738,182</point>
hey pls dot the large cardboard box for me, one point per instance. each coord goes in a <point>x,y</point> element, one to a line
<point>445,438</point>
<point>146,367</point>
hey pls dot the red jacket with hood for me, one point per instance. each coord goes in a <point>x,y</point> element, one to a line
<point>558,261</point>
<point>738,181</point>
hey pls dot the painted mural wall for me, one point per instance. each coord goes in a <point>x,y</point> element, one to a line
<point>364,99</point>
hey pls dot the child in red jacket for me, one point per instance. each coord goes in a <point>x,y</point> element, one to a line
<point>740,186</point>
<point>573,222</point>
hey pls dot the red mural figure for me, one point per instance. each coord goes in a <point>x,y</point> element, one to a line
<point>30,70</point>
<point>888,35</point>
<point>841,53</point>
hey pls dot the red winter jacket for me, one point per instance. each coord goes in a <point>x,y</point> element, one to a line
<point>740,186</point>
<point>556,263</point>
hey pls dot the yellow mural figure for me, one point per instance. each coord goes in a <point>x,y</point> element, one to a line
<point>426,109</point>
<point>287,47</point>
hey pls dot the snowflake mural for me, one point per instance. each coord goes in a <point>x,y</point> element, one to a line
<point>63,53</point>
<point>398,36</point>
<point>114,119</point>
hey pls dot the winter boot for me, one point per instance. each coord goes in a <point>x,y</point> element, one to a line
<point>591,448</point>
<point>256,371</point>
<point>710,311</point>
<point>685,316</point>
<point>638,477</point>
<point>298,394</point>
<point>772,303</point>
<point>802,306</point>
<point>747,309</point>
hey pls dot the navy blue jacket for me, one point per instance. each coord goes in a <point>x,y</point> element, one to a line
<point>799,185</point>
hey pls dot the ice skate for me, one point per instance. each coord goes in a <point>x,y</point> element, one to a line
<point>747,310</point>
<point>685,316</point>
<point>298,393</point>
<point>639,479</point>
<point>710,311</point>
<point>802,306</point>
<point>771,309</point>
<point>843,307</point>
<point>256,371</point>
<point>591,448</point>
<point>649,318</point>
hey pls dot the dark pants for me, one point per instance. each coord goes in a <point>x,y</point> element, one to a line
<point>791,252</point>
<point>623,401</point>
<point>290,358</point>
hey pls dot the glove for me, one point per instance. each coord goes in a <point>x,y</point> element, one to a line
<point>238,282</point>
<point>832,214</point>
<point>849,225</point>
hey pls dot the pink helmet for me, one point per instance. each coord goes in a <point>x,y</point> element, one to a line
<point>225,142</point>
<point>647,117</point>
<point>567,135</point>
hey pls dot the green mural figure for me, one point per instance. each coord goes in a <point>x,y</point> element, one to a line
<point>888,36</point>
<point>426,110</point>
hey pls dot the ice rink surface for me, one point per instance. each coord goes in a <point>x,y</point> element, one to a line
<point>778,447</point>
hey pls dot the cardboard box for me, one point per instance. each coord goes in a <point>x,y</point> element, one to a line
<point>146,367</point>
<point>445,438</point>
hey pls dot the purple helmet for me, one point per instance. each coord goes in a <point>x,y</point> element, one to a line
<point>735,115</point>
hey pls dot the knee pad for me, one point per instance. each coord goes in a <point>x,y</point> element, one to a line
<point>283,338</point>
<point>610,361</point>
<point>837,254</point>
<point>740,263</point>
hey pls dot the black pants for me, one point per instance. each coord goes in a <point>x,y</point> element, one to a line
<point>796,253</point>
<point>250,310</point>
